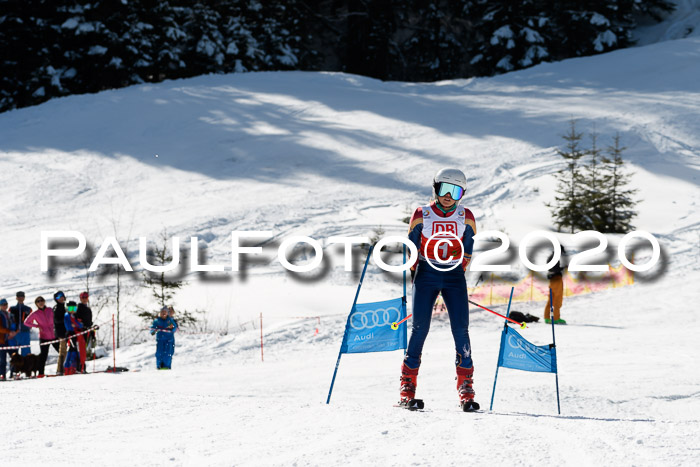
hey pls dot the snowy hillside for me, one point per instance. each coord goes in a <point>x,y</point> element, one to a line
<point>329,154</point>
<point>324,154</point>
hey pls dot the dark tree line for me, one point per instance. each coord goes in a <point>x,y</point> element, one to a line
<point>52,48</point>
<point>60,47</point>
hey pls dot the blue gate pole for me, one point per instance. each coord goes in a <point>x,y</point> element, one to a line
<point>404,274</point>
<point>405,299</point>
<point>493,392</point>
<point>554,344</point>
<point>500,349</point>
<point>345,333</point>
<point>509,302</point>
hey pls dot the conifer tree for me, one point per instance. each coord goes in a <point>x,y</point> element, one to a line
<point>595,189</point>
<point>206,50</point>
<point>568,210</point>
<point>620,198</point>
<point>511,35</point>
<point>432,38</point>
<point>162,288</point>
<point>65,47</point>
<point>586,27</point>
<point>369,29</point>
<point>655,9</point>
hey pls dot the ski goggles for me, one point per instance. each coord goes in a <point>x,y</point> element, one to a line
<point>72,309</point>
<point>455,191</point>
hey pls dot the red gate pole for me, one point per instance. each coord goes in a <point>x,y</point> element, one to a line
<point>262,359</point>
<point>114,348</point>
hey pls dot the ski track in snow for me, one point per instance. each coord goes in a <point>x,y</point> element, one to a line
<point>324,154</point>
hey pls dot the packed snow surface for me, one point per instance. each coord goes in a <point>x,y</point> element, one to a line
<point>323,154</point>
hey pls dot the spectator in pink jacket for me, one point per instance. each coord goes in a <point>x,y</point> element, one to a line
<point>42,318</point>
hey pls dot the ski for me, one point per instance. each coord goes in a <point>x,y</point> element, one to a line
<point>412,405</point>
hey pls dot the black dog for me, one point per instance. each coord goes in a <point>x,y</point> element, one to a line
<point>526,317</point>
<point>28,364</point>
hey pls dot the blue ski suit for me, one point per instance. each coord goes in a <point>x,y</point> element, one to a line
<point>429,282</point>
<point>165,341</point>
<point>171,345</point>
<point>5,329</point>
<point>19,313</point>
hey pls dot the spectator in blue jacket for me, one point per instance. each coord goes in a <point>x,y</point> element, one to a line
<point>59,327</point>
<point>164,327</point>
<point>6,334</point>
<point>73,327</point>
<point>19,313</point>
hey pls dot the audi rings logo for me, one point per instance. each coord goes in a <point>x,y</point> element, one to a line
<point>374,318</point>
<point>516,344</point>
<point>442,239</point>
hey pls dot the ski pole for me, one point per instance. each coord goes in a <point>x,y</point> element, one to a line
<point>395,326</point>
<point>522,325</point>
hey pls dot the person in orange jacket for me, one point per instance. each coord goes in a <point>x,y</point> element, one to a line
<point>556,283</point>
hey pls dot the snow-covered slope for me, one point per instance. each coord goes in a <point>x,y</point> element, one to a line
<point>325,154</point>
<point>630,395</point>
<point>330,154</point>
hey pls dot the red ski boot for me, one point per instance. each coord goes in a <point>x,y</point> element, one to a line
<point>409,379</point>
<point>465,381</point>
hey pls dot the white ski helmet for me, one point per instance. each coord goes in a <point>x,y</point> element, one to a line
<point>447,175</point>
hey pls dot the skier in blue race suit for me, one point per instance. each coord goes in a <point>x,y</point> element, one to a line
<point>163,327</point>
<point>443,234</point>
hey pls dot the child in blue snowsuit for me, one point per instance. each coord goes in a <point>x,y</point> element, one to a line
<point>164,327</point>
<point>171,315</point>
